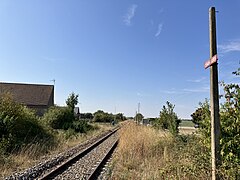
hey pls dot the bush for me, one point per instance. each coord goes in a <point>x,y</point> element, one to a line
<point>230,131</point>
<point>87,116</point>
<point>120,117</point>
<point>187,159</point>
<point>168,119</point>
<point>18,125</point>
<point>58,117</point>
<point>101,116</point>
<point>139,117</point>
<point>69,133</point>
<point>81,126</point>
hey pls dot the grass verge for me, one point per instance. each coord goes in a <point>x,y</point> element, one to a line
<point>146,153</point>
<point>185,123</point>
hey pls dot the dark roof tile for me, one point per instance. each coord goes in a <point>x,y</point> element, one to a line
<point>28,94</point>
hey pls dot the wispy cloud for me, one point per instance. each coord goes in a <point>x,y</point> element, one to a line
<point>159,30</point>
<point>49,59</point>
<point>197,80</point>
<point>173,91</point>
<point>197,90</point>
<point>127,19</point>
<point>202,89</point>
<point>143,94</point>
<point>230,46</point>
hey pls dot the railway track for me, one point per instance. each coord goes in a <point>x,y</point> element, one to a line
<point>83,164</point>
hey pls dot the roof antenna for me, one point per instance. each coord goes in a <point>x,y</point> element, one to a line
<point>53,80</point>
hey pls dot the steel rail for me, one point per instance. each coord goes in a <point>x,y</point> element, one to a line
<point>61,168</point>
<point>96,171</point>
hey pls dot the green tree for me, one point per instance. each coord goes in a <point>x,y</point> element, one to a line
<point>58,117</point>
<point>200,114</point>
<point>230,129</point>
<point>168,119</point>
<point>86,116</point>
<point>139,117</point>
<point>101,116</point>
<point>72,101</point>
<point>120,117</point>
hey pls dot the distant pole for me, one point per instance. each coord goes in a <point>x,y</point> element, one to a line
<point>136,117</point>
<point>80,110</point>
<point>53,80</point>
<point>214,97</point>
<point>115,109</point>
<point>138,107</point>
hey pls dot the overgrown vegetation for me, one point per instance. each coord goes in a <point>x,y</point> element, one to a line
<point>199,115</point>
<point>149,153</point>
<point>24,134</point>
<point>168,119</point>
<point>101,116</point>
<point>139,117</point>
<point>58,117</point>
<point>230,131</point>
<point>82,126</point>
<point>86,116</point>
<point>18,126</point>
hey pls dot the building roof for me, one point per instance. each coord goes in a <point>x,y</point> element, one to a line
<point>28,94</point>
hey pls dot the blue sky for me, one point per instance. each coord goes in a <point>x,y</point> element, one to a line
<point>118,53</point>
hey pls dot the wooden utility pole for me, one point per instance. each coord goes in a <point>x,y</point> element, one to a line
<point>214,97</point>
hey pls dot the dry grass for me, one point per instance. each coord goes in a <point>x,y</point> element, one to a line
<point>146,153</point>
<point>187,130</point>
<point>26,157</point>
<point>137,152</point>
<point>34,153</point>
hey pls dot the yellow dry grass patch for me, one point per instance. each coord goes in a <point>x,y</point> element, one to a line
<point>146,153</point>
<point>140,152</point>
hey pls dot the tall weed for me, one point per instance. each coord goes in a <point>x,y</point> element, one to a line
<point>147,153</point>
